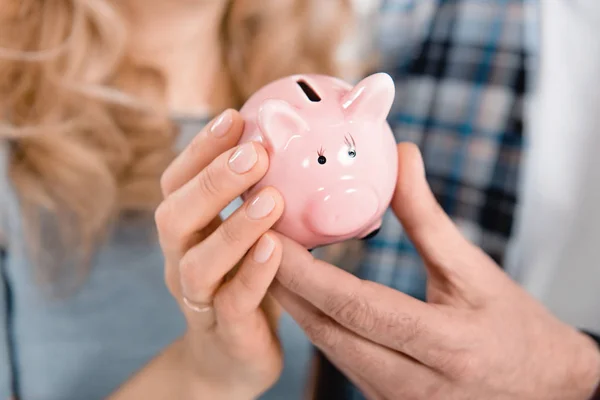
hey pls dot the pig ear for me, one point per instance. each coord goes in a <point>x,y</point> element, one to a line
<point>279,121</point>
<point>371,98</point>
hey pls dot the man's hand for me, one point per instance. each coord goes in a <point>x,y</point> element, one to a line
<point>479,336</point>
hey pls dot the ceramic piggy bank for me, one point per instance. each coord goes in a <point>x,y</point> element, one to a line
<point>332,154</point>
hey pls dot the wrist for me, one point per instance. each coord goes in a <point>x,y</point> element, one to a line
<point>203,381</point>
<point>195,381</point>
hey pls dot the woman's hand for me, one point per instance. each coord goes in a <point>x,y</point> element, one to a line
<point>219,271</point>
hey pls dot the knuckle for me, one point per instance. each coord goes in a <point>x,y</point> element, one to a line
<point>289,279</point>
<point>292,278</point>
<point>404,329</point>
<point>164,218</point>
<point>320,331</point>
<point>193,277</point>
<point>355,312</point>
<point>186,270</point>
<point>209,181</point>
<point>407,329</point>
<point>463,366</point>
<point>160,215</point>
<point>229,234</point>
<point>165,183</point>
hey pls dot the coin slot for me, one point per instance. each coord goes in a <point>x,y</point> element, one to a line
<point>309,91</point>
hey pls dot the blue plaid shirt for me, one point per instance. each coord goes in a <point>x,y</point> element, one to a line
<point>462,70</point>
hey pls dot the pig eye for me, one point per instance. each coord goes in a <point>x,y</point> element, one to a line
<point>351,146</point>
<point>321,160</point>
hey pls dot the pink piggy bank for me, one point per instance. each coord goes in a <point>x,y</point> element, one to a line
<point>332,154</point>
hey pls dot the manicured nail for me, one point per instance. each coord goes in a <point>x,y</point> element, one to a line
<point>261,206</point>
<point>264,249</point>
<point>222,124</point>
<point>243,159</point>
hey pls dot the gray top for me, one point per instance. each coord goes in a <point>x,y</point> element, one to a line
<point>85,345</point>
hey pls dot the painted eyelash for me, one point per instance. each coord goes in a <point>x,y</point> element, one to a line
<point>320,152</point>
<point>350,142</point>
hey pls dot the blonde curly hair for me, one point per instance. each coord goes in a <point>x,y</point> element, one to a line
<point>87,145</point>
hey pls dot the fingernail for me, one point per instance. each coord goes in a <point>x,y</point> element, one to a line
<point>243,159</point>
<point>222,124</point>
<point>261,206</point>
<point>264,249</point>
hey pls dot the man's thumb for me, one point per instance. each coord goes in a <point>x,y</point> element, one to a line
<point>445,250</point>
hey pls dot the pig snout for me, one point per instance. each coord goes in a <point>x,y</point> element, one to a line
<point>342,210</point>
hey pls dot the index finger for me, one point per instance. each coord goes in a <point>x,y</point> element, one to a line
<point>376,312</point>
<point>220,135</point>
